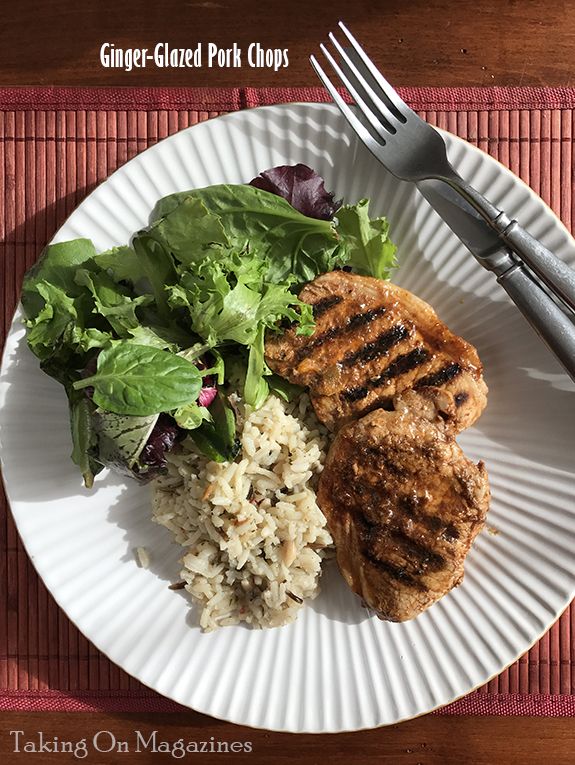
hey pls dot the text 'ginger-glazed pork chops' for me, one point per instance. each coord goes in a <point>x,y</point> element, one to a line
<point>372,341</point>
<point>403,505</point>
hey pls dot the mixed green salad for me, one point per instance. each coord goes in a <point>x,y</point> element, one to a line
<point>146,337</point>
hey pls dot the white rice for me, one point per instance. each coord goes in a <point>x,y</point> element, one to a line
<point>142,557</point>
<point>253,534</point>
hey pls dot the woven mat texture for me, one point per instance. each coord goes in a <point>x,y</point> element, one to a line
<point>54,149</point>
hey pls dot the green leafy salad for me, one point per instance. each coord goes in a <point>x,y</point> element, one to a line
<point>148,339</point>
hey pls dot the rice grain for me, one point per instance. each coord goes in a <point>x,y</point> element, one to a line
<point>253,535</point>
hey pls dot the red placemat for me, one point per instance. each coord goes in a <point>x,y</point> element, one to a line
<point>56,144</point>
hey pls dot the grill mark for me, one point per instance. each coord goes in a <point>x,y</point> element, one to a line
<point>378,347</point>
<point>370,531</point>
<point>324,305</point>
<point>352,323</point>
<point>329,334</point>
<point>361,319</point>
<point>410,506</point>
<point>402,364</point>
<point>354,394</point>
<point>406,504</point>
<point>426,559</point>
<point>442,376</point>
<point>450,533</point>
<point>395,572</point>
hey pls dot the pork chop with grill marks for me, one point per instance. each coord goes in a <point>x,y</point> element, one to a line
<point>403,505</point>
<point>372,341</point>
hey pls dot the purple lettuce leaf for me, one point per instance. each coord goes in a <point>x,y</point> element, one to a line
<point>209,383</point>
<point>302,187</point>
<point>207,395</point>
<point>160,442</point>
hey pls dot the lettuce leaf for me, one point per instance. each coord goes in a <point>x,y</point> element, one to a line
<point>53,321</point>
<point>146,267</point>
<point>121,438</point>
<point>256,387</point>
<point>369,250</point>
<point>191,416</point>
<point>229,298</point>
<point>84,437</point>
<point>216,439</point>
<point>121,263</point>
<point>112,301</point>
<point>257,223</point>
<point>57,267</point>
<point>302,187</point>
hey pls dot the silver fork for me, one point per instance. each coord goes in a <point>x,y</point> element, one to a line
<point>412,150</point>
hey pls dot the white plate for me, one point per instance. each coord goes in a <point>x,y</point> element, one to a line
<point>334,669</point>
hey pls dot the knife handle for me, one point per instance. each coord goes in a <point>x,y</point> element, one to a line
<point>552,271</point>
<point>550,322</point>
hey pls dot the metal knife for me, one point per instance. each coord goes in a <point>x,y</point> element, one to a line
<point>553,324</point>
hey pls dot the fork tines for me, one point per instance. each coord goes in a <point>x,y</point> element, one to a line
<point>381,106</point>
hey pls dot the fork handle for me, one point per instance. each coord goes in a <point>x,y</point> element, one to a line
<point>547,319</point>
<point>552,271</point>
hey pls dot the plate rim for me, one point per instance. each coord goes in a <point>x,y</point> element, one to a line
<point>14,327</point>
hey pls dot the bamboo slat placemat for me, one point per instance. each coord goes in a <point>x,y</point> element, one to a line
<point>56,145</point>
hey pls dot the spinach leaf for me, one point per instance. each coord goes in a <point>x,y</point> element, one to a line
<point>369,250</point>
<point>141,380</point>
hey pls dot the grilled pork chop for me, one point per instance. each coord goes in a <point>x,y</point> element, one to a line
<point>372,341</point>
<point>403,505</point>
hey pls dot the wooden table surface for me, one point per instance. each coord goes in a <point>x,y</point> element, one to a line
<point>417,42</point>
